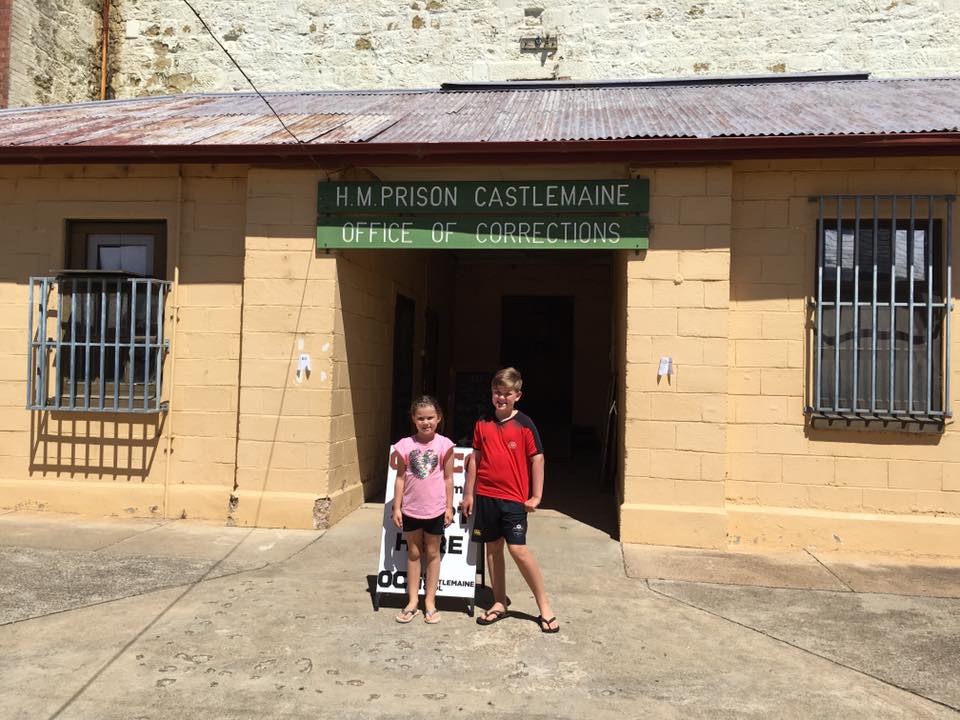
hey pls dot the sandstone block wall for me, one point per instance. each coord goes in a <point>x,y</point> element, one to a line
<point>54,51</point>
<point>173,464</point>
<point>307,44</point>
<point>840,478</point>
<point>160,47</point>
<point>718,453</point>
<point>5,18</point>
<point>368,283</point>
<point>676,305</point>
<point>311,450</point>
<point>286,426</point>
<point>206,365</point>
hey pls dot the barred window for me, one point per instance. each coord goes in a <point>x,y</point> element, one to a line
<point>881,330</point>
<point>96,330</point>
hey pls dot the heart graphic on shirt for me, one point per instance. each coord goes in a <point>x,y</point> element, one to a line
<point>423,462</point>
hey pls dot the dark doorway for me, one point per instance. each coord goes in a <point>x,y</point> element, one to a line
<point>550,314</point>
<point>553,338</point>
<point>536,337</point>
<point>431,350</point>
<point>403,330</point>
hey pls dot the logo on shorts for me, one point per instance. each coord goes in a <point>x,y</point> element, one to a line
<point>518,528</point>
<point>512,445</point>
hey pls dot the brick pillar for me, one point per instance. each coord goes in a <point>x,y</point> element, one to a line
<point>289,301</point>
<point>677,306</point>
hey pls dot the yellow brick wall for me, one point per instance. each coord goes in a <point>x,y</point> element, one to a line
<point>118,464</point>
<point>774,460</point>
<point>311,451</point>
<point>206,363</point>
<point>620,284</point>
<point>287,428</point>
<point>368,283</point>
<point>718,453</point>
<point>677,296</point>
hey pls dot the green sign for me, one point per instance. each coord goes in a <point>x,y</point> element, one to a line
<point>532,231</point>
<point>565,214</point>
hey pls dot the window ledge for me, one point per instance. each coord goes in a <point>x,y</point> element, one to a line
<point>66,410</point>
<point>915,423</point>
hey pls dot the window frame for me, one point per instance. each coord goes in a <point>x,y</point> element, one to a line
<point>79,232</point>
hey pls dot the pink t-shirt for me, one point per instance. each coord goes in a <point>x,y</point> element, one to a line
<point>424,492</point>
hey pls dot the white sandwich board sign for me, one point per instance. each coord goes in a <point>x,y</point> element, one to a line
<point>458,564</point>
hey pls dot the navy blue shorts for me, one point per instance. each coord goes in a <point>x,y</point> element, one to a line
<point>494,518</point>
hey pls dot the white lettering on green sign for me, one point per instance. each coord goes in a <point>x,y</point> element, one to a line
<point>396,196</point>
<point>484,214</point>
<point>548,231</point>
<point>376,232</point>
<point>551,196</point>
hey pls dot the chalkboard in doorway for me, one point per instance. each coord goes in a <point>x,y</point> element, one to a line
<point>471,399</point>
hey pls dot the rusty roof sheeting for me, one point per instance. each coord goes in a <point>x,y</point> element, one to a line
<point>562,114</point>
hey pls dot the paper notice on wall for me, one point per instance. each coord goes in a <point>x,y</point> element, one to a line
<point>458,564</point>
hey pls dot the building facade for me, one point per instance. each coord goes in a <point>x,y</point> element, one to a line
<point>700,384</point>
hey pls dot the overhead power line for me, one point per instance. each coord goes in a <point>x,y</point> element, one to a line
<point>246,77</point>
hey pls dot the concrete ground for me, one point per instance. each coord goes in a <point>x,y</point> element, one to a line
<point>179,619</point>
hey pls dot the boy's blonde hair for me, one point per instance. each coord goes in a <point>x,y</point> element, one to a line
<point>509,378</point>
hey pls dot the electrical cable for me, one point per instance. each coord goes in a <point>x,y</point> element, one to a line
<point>246,77</point>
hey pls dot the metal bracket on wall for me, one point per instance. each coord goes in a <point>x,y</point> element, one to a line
<point>540,43</point>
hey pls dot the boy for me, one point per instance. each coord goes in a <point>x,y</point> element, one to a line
<point>507,455</point>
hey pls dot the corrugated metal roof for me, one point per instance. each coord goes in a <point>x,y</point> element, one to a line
<point>566,113</point>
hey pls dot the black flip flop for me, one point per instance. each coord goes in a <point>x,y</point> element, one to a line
<point>545,624</point>
<point>498,615</point>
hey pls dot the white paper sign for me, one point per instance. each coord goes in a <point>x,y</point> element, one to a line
<point>458,563</point>
<point>303,364</point>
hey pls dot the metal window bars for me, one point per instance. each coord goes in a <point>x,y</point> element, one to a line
<point>881,330</point>
<point>96,343</point>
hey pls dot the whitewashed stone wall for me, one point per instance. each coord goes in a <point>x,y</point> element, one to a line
<point>159,47</point>
<point>54,51</point>
<point>315,44</point>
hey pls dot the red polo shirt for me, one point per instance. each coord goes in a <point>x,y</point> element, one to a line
<point>506,447</point>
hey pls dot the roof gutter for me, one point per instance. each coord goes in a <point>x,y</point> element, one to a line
<point>719,149</point>
<point>695,81</point>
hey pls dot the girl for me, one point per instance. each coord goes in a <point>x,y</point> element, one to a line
<point>423,503</point>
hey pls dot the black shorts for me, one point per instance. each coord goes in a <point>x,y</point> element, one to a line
<point>494,519</point>
<point>431,526</point>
